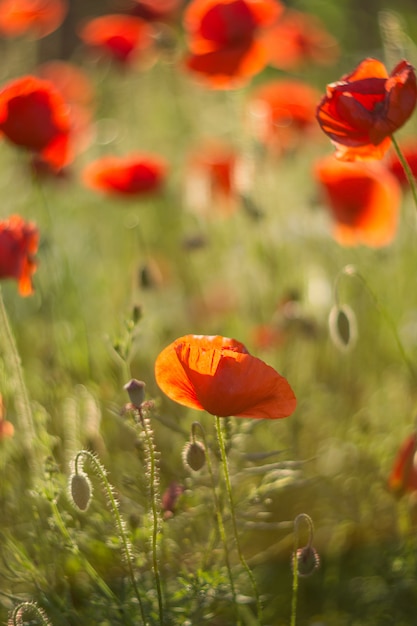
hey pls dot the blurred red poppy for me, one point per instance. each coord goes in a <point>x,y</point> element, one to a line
<point>34,115</point>
<point>403,477</point>
<point>156,10</point>
<point>282,114</point>
<point>361,111</point>
<point>123,38</point>
<point>298,38</point>
<point>18,245</point>
<point>6,428</point>
<point>132,175</point>
<point>211,185</point>
<point>35,17</point>
<point>364,199</point>
<point>224,38</point>
<point>218,375</point>
<point>409,152</point>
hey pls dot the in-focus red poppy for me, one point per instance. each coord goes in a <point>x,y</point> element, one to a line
<point>156,10</point>
<point>218,375</point>
<point>361,111</point>
<point>211,185</point>
<point>403,477</point>
<point>35,17</point>
<point>18,245</point>
<point>364,199</point>
<point>409,152</point>
<point>282,114</point>
<point>299,38</point>
<point>35,116</point>
<point>122,38</point>
<point>132,175</point>
<point>224,38</point>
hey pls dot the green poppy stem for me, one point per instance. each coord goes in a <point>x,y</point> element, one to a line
<point>242,559</point>
<point>306,518</point>
<point>219,519</point>
<point>407,169</point>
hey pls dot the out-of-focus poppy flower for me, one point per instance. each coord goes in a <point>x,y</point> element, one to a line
<point>364,199</point>
<point>34,115</point>
<point>78,92</point>
<point>361,111</point>
<point>132,175</point>
<point>403,477</point>
<point>224,38</point>
<point>282,114</point>
<point>218,375</point>
<point>170,497</point>
<point>6,428</point>
<point>123,38</point>
<point>298,38</point>
<point>18,245</point>
<point>409,152</point>
<point>35,17</point>
<point>211,185</point>
<point>156,10</point>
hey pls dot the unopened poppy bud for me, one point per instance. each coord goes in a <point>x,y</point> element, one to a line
<point>342,326</point>
<point>136,390</point>
<point>194,455</point>
<point>308,561</point>
<point>80,489</point>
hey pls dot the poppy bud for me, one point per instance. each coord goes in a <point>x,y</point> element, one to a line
<point>81,491</point>
<point>194,455</point>
<point>342,326</point>
<point>136,390</point>
<point>308,561</point>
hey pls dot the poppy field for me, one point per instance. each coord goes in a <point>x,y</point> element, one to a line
<point>208,313</point>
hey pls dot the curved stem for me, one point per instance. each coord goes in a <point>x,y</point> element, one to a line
<point>219,517</point>
<point>242,559</point>
<point>101,472</point>
<point>407,169</point>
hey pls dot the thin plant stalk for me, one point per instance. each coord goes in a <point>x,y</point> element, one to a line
<point>350,270</point>
<point>13,365</point>
<point>219,519</point>
<point>242,559</point>
<point>410,178</point>
<point>114,506</point>
<point>155,507</point>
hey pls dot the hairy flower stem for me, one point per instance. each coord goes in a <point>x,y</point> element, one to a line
<point>242,559</point>
<point>17,616</point>
<point>298,519</point>
<point>13,366</point>
<point>219,519</point>
<point>406,168</point>
<point>151,463</point>
<point>350,270</point>
<point>114,507</point>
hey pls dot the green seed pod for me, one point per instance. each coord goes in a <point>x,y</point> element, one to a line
<point>81,491</point>
<point>194,455</point>
<point>343,327</point>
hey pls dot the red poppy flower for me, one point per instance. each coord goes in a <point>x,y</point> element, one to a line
<point>282,114</point>
<point>297,38</point>
<point>218,375</point>
<point>18,245</point>
<point>34,115</point>
<point>224,38</point>
<point>211,185</point>
<point>361,111</point>
<point>6,428</point>
<point>37,17</point>
<point>403,476</point>
<point>364,199</point>
<point>133,175</point>
<point>123,38</point>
